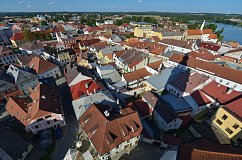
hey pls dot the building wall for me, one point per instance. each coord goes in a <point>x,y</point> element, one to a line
<point>138,32</point>
<point>127,145</point>
<point>173,37</point>
<point>159,121</point>
<point>223,124</point>
<point>64,59</point>
<point>55,73</point>
<point>176,48</point>
<point>55,120</point>
<point>175,124</point>
<point>8,59</point>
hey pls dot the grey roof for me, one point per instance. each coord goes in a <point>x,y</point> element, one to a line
<point>82,104</point>
<point>177,104</point>
<point>170,53</point>
<point>20,74</point>
<point>11,142</point>
<point>69,28</point>
<point>111,49</point>
<point>112,77</point>
<point>159,81</point>
<point>170,33</point>
<point>167,114</point>
<point>106,69</point>
<point>109,74</point>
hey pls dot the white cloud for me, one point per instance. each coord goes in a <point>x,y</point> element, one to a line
<point>51,3</point>
<point>29,6</point>
<point>140,1</point>
<point>21,2</point>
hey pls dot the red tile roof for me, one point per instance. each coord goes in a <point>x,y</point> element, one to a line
<point>155,65</point>
<point>179,43</point>
<point>207,31</point>
<point>200,98</point>
<point>235,108</point>
<point>91,29</point>
<point>142,107</point>
<point>218,70</point>
<point>213,36</point>
<point>40,65</point>
<point>220,93</point>
<point>194,32</point>
<point>158,50</point>
<point>203,54</point>
<point>187,82</point>
<point>203,149</point>
<point>136,75</point>
<point>107,131</point>
<point>18,36</point>
<point>210,46</point>
<point>84,87</point>
<point>43,100</point>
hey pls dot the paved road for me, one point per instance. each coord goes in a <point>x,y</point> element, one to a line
<point>144,151</point>
<point>71,129</point>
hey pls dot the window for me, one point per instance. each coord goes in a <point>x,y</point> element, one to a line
<point>224,117</point>
<point>48,122</point>
<point>55,120</point>
<point>235,126</point>
<point>36,126</point>
<point>228,130</point>
<point>219,122</point>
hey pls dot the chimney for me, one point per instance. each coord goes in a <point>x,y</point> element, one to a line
<point>117,101</point>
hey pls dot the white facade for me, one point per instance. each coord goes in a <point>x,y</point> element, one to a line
<point>163,125</point>
<point>125,145</point>
<point>177,48</point>
<point>55,73</point>
<point>34,52</point>
<point>52,120</point>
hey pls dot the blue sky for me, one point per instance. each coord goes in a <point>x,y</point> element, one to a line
<point>212,6</point>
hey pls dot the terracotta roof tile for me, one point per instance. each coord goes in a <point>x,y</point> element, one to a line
<point>107,131</point>
<point>200,98</point>
<point>220,71</point>
<point>194,32</point>
<point>136,75</point>
<point>213,36</point>
<point>221,93</point>
<point>203,149</point>
<point>40,65</point>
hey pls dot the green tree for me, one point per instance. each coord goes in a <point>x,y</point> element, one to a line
<point>28,36</point>
<point>211,26</point>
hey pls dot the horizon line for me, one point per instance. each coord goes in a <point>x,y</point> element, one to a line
<point>118,12</point>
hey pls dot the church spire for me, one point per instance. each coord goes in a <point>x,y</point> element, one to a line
<point>202,26</point>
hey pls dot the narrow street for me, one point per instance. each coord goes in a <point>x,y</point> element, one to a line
<point>71,129</point>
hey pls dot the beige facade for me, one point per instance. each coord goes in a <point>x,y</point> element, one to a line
<point>228,124</point>
<point>146,32</point>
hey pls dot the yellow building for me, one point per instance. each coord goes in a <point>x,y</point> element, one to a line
<point>228,123</point>
<point>146,32</point>
<point>64,58</point>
